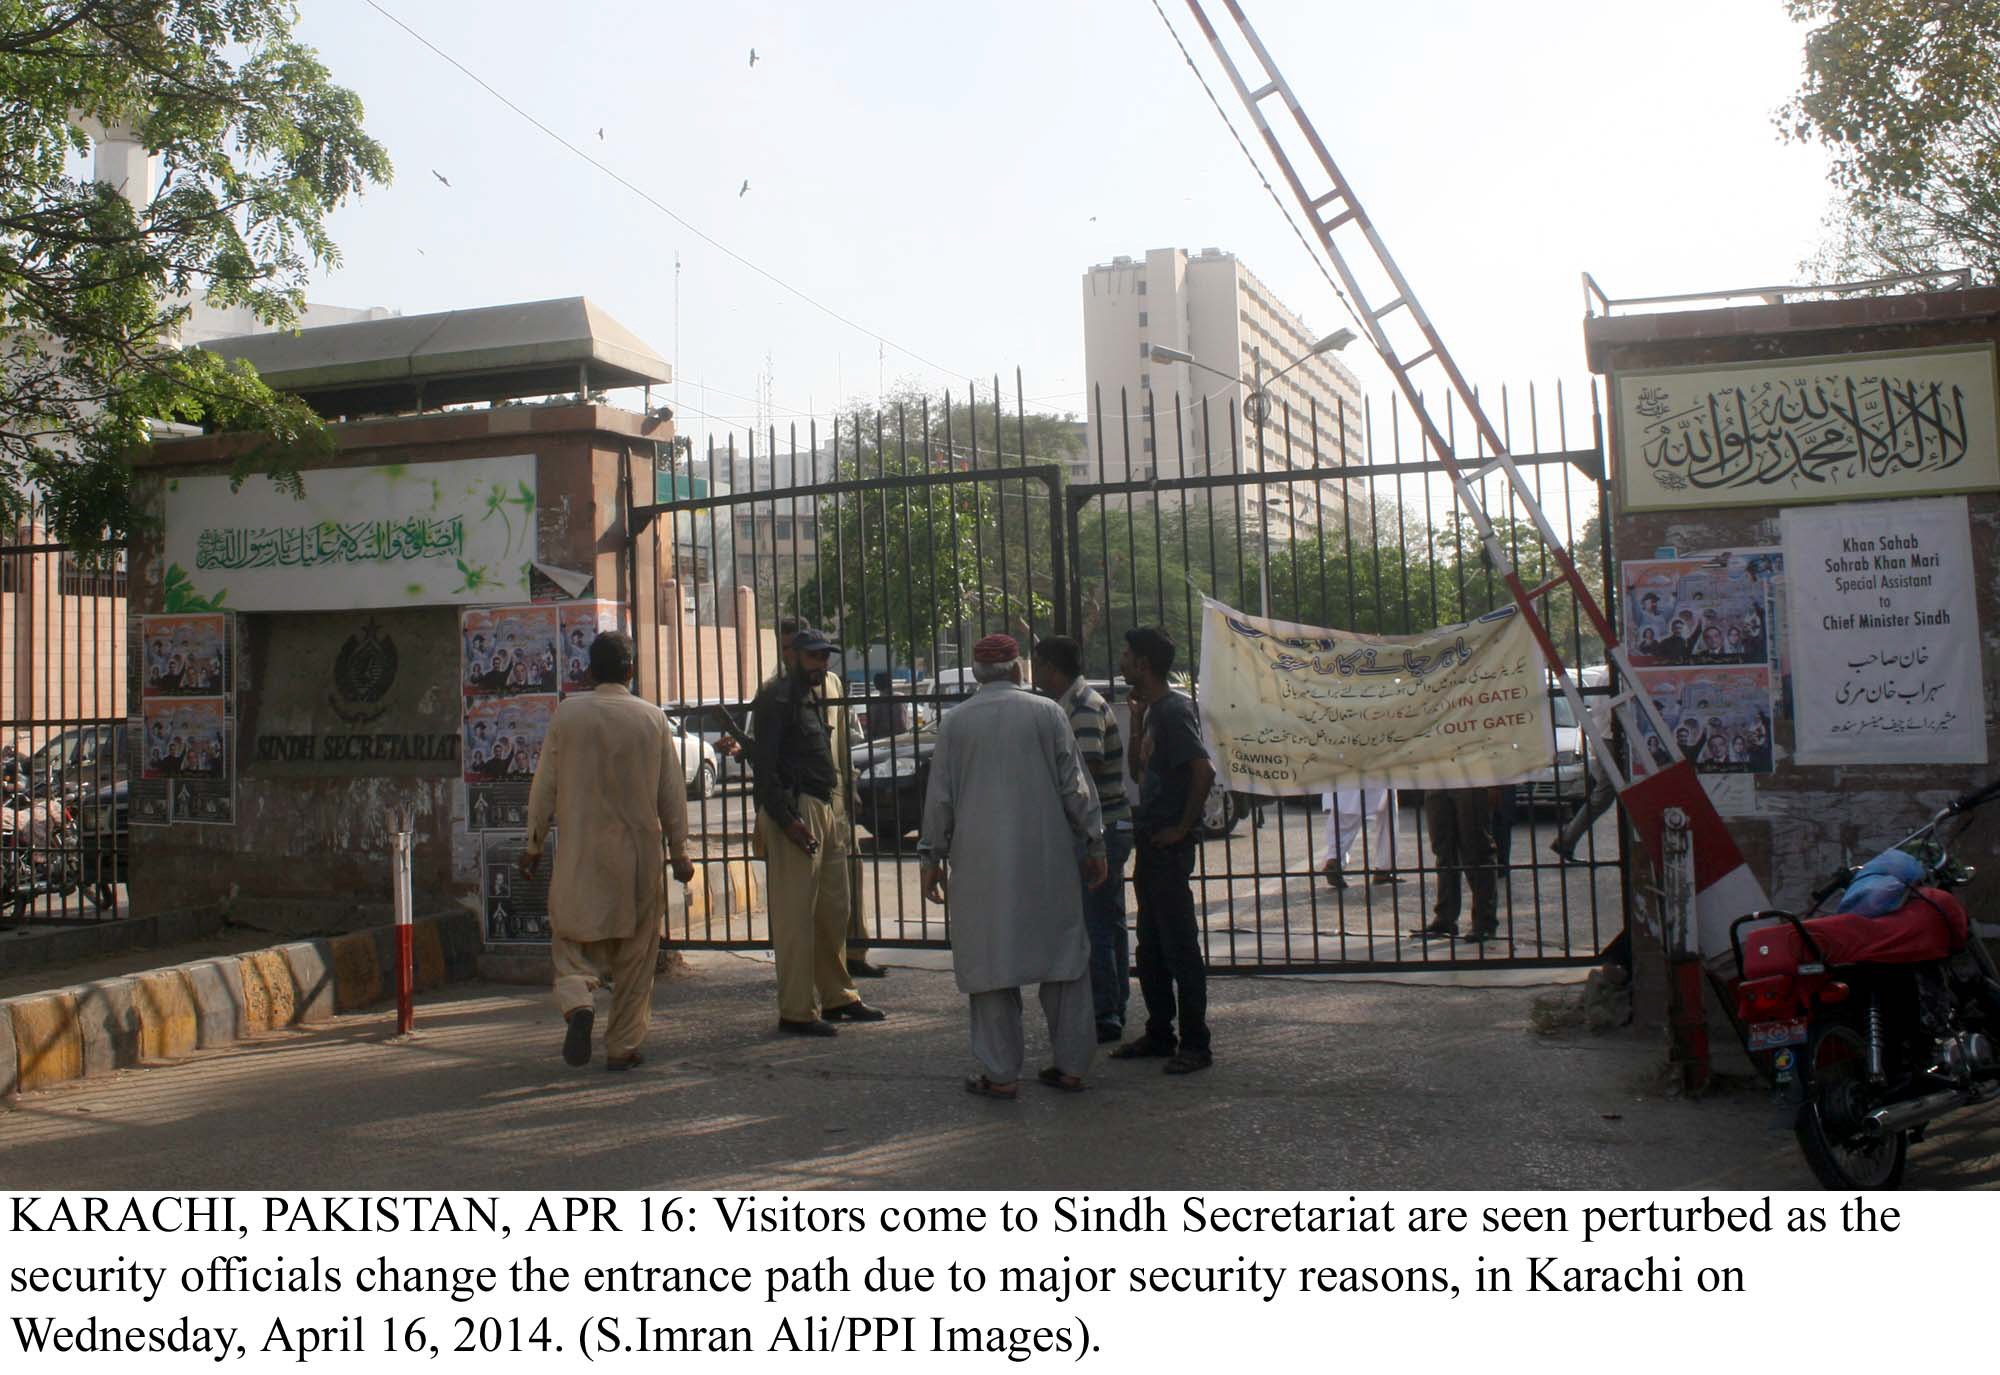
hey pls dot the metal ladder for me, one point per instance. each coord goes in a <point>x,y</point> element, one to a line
<point>1336,214</point>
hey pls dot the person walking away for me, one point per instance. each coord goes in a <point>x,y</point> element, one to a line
<point>1058,667</point>
<point>1349,813</point>
<point>610,781</point>
<point>805,844</point>
<point>1174,778</point>
<point>1007,793</point>
<point>1460,821</point>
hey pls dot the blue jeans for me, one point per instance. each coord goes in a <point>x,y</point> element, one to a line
<point>1110,951</point>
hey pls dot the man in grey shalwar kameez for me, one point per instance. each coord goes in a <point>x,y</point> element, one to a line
<point>1007,798</point>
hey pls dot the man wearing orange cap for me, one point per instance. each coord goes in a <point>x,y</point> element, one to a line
<point>1007,799</point>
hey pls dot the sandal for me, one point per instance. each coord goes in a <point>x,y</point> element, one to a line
<point>979,1086</point>
<point>1056,1079</point>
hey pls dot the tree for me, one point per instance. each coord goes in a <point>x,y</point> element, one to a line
<point>256,145</point>
<point>925,567</point>
<point>1905,94</point>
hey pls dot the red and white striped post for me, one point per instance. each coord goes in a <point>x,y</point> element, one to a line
<point>1687,1022</point>
<point>400,846</point>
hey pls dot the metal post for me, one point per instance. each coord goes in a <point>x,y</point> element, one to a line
<point>400,847</point>
<point>1687,1022</point>
<point>1263,413</point>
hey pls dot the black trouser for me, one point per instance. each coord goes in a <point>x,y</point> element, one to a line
<point>1461,827</point>
<point>1173,976</point>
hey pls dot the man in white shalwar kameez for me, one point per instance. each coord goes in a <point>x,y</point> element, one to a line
<point>1349,813</point>
<point>1008,810</point>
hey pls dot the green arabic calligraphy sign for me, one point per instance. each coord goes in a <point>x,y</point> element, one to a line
<point>409,534</point>
<point>310,546</point>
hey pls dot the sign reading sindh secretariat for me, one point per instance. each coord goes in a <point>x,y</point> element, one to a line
<point>1807,429</point>
<point>1289,708</point>
<point>420,534</point>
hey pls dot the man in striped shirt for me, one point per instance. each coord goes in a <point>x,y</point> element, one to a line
<point>1059,674</point>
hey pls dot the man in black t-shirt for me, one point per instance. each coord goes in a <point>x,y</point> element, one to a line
<point>1175,775</point>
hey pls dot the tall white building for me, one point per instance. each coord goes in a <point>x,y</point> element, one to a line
<point>1212,307</point>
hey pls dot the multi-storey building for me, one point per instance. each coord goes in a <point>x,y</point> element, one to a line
<point>1212,307</point>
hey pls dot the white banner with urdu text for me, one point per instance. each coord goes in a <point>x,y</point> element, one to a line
<point>1290,708</point>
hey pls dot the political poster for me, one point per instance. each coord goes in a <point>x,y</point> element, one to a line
<point>581,623</point>
<point>1885,628</point>
<point>1289,708</point>
<point>502,745</point>
<point>181,696</point>
<point>514,910</point>
<point>1706,609</point>
<point>508,651</point>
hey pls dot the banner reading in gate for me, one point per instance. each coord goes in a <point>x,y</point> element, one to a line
<point>1290,708</point>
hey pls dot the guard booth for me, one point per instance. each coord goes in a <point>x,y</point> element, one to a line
<point>1806,498</point>
<point>309,667</point>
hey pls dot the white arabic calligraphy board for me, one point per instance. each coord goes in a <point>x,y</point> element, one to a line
<point>1885,634</point>
<point>1856,426</point>
<point>418,534</point>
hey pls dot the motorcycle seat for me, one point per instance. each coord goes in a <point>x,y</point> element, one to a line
<point>1930,926</point>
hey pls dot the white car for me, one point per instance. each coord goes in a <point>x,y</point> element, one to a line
<point>1567,781</point>
<point>699,763</point>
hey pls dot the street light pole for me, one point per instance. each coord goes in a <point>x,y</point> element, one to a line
<point>1257,410</point>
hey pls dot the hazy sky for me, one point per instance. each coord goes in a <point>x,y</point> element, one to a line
<point>942,173</point>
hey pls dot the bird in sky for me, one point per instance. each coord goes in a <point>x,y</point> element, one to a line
<point>1093,219</point>
<point>753,57</point>
<point>440,176</point>
<point>600,133</point>
<point>746,189</point>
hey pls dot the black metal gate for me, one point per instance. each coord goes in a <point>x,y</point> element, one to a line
<point>912,532</point>
<point>63,731</point>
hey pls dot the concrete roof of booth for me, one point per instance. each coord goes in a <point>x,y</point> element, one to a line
<point>411,362</point>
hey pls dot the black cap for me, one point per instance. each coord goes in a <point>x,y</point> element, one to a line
<point>811,641</point>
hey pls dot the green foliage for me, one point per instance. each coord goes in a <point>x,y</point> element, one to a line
<point>923,568</point>
<point>256,145</point>
<point>1905,95</point>
<point>181,597</point>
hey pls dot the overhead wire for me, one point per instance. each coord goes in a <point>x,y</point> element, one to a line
<point>1316,254</point>
<point>663,208</point>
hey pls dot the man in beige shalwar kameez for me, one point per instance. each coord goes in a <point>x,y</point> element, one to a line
<point>611,780</point>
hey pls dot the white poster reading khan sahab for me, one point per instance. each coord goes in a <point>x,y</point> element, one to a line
<point>416,534</point>
<point>1290,708</point>
<point>1885,634</point>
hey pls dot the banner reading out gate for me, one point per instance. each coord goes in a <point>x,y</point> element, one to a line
<point>1290,708</point>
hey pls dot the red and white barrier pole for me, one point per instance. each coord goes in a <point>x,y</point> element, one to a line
<point>1680,922</point>
<point>400,846</point>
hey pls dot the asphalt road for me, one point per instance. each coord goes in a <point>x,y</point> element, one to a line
<point>1317,1085</point>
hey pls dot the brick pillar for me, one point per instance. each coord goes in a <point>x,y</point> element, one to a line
<point>669,632</point>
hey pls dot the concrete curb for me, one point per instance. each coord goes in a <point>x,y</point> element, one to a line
<point>108,1016</point>
<point>166,1014</point>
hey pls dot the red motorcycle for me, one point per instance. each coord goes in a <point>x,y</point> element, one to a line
<point>1876,1025</point>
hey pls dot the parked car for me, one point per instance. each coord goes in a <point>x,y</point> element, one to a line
<point>700,763</point>
<point>80,759</point>
<point>714,722</point>
<point>890,776</point>
<point>1566,782</point>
